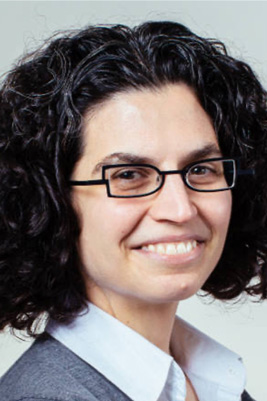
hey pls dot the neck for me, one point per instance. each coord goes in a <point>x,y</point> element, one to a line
<point>154,322</point>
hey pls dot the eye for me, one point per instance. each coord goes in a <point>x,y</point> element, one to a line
<point>125,180</point>
<point>202,170</point>
<point>206,173</point>
<point>129,174</point>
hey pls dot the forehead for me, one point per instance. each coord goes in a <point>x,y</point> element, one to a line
<point>167,123</point>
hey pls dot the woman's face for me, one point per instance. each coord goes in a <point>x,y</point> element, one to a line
<point>170,128</point>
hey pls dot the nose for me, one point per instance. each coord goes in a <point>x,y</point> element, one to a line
<point>173,202</point>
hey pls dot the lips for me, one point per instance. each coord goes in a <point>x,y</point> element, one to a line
<point>173,251</point>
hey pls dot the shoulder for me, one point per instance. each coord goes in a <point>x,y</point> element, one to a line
<point>49,371</point>
<point>41,373</point>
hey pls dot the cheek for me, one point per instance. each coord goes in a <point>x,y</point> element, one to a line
<point>108,221</point>
<point>105,227</point>
<point>216,210</point>
<point>224,210</point>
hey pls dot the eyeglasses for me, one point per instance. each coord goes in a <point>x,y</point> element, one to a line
<point>137,180</point>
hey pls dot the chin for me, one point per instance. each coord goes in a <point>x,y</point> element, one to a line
<point>171,295</point>
<point>181,291</point>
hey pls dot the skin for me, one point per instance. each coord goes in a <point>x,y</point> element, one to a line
<point>141,288</point>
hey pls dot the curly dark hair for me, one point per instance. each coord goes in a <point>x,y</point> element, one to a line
<point>42,104</point>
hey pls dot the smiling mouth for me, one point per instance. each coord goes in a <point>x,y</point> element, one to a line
<point>171,248</point>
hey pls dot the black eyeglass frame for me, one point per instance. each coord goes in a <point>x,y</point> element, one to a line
<point>182,172</point>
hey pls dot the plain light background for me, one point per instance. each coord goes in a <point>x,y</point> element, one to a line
<point>242,26</point>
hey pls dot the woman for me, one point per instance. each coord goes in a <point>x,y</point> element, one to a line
<point>132,175</point>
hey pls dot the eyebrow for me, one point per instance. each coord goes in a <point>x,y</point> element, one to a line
<point>116,158</point>
<point>206,151</point>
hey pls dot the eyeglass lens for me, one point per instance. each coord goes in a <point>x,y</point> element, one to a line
<point>134,180</point>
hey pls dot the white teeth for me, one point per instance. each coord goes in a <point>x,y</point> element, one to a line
<point>181,247</point>
<point>189,247</point>
<point>171,248</point>
<point>151,248</point>
<point>160,248</point>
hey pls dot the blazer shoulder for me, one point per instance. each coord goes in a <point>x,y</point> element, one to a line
<point>246,397</point>
<point>49,371</point>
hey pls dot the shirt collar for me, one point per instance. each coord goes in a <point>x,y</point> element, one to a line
<point>118,352</point>
<point>211,367</point>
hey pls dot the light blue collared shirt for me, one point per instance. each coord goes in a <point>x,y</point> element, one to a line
<point>146,373</point>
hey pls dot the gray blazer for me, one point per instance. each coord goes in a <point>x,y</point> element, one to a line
<point>48,371</point>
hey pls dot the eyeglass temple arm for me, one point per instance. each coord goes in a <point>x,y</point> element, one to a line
<point>249,171</point>
<point>89,182</point>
